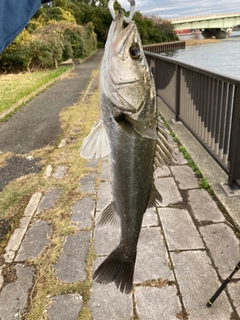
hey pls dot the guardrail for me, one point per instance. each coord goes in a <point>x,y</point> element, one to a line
<point>165,46</point>
<point>207,103</point>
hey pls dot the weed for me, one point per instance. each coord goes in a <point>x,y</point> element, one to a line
<point>203,182</point>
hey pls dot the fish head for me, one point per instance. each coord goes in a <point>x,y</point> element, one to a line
<point>125,78</point>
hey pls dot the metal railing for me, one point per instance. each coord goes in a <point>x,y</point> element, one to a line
<point>165,46</point>
<point>207,103</point>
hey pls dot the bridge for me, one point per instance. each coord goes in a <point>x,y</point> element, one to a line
<point>212,25</point>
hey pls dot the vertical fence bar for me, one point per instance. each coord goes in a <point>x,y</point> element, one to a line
<point>234,152</point>
<point>214,114</point>
<point>177,94</point>
<point>228,123</point>
<point>223,120</point>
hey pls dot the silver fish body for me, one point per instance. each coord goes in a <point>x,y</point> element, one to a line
<point>127,92</point>
<point>129,115</point>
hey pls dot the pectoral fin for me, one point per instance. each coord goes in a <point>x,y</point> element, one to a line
<point>154,197</point>
<point>96,143</point>
<point>164,152</point>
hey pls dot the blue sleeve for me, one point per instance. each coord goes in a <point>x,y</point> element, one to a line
<point>14,16</point>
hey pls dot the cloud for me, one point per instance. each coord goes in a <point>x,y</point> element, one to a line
<point>176,8</point>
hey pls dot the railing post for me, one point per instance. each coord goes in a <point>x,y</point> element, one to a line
<point>234,152</point>
<point>177,93</point>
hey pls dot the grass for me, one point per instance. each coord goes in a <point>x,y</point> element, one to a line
<point>14,87</point>
<point>203,182</point>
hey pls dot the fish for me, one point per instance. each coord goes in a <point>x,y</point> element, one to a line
<point>130,133</point>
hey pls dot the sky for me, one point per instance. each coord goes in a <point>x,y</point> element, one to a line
<point>170,9</point>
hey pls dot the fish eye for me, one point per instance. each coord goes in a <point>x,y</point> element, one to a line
<point>134,51</point>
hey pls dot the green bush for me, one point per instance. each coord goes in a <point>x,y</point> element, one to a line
<point>15,59</point>
<point>17,56</point>
<point>47,46</point>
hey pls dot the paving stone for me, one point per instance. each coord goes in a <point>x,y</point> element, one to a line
<point>185,177</point>
<point>162,172</point>
<point>104,195</point>
<point>83,211</point>
<point>152,259</point>
<point>60,172</point>
<point>62,143</point>
<point>157,303</point>
<point>14,244</point>
<point>106,238</point>
<point>178,157</point>
<point>233,289</point>
<point>169,191</point>
<point>88,183</point>
<point>223,245</point>
<point>203,206</point>
<point>14,296</point>
<point>108,302</point>
<point>197,281</point>
<point>173,143</point>
<point>150,218</point>
<point>65,307</point>
<point>93,163</point>
<point>72,262</point>
<point>106,171</point>
<point>24,222</point>
<point>36,239</point>
<point>1,277</point>
<point>179,229</point>
<point>49,200</point>
<point>49,170</point>
<point>32,204</point>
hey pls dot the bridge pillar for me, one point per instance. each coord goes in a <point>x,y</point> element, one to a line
<point>218,33</point>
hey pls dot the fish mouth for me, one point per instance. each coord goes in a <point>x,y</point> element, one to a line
<point>122,35</point>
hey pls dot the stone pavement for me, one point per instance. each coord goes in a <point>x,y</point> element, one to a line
<point>186,248</point>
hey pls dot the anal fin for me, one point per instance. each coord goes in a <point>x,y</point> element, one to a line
<point>108,215</point>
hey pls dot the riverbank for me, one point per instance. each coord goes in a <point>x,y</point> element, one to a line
<point>193,42</point>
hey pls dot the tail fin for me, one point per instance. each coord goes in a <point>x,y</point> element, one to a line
<point>117,267</point>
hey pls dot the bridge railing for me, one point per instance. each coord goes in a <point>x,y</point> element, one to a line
<point>206,16</point>
<point>207,103</point>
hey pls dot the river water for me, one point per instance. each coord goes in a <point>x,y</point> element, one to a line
<point>222,56</point>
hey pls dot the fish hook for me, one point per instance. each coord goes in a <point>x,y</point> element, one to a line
<point>132,10</point>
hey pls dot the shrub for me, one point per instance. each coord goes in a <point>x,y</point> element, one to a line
<point>48,45</point>
<point>17,56</point>
<point>56,14</point>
